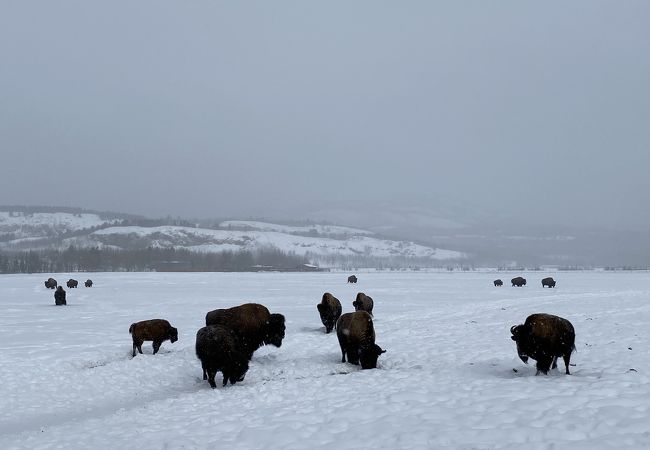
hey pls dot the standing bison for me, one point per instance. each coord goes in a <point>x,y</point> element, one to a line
<point>544,338</point>
<point>88,283</point>
<point>549,281</point>
<point>352,279</point>
<point>363,302</point>
<point>498,283</point>
<point>156,330</point>
<point>356,335</point>
<point>219,350</point>
<point>330,311</point>
<point>50,283</point>
<point>72,283</point>
<point>59,296</point>
<point>253,325</point>
<point>518,281</point>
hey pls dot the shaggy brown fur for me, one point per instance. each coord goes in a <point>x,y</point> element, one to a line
<point>89,283</point>
<point>50,283</point>
<point>330,310</point>
<point>253,324</point>
<point>59,296</point>
<point>219,350</point>
<point>156,330</point>
<point>544,337</point>
<point>356,335</point>
<point>363,302</point>
<point>549,281</point>
<point>518,281</point>
<point>72,283</point>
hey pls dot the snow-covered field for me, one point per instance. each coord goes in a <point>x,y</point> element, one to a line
<point>447,379</point>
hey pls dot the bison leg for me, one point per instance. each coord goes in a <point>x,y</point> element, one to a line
<point>342,354</point>
<point>543,365</point>
<point>137,344</point>
<point>156,346</point>
<point>134,347</point>
<point>554,366</point>
<point>205,372</point>
<point>211,374</point>
<point>567,358</point>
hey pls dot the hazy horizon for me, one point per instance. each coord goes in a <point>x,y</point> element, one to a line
<point>529,112</point>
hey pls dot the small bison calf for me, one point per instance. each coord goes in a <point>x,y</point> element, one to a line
<point>156,330</point>
<point>498,283</point>
<point>219,350</point>
<point>88,283</point>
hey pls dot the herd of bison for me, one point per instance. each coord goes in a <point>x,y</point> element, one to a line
<point>227,343</point>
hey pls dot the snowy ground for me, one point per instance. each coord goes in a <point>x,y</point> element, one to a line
<point>447,379</point>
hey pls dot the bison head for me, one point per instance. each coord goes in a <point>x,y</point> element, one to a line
<point>519,335</point>
<point>275,330</point>
<point>368,356</point>
<point>173,334</point>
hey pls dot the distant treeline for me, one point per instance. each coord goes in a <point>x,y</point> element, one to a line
<point>75,259</point>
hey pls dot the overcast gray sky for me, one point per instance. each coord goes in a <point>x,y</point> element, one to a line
<point>212,109</point>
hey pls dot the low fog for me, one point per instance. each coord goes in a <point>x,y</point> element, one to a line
<point>516,113</point>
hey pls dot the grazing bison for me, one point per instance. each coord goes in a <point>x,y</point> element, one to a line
<point>253,324</point>
<point>549,281</point>
<point>352,279</point>
<point>498,283</point>
<point>59,296</point>
<point>219,350</point>
<point>156,330</point>
<point>356,335</point>
<point>363,302</point>
<point>544,337</point>
<point>50,283</point>
<point>330,311</point>
<point>72,283</point>
<point>88,283</point>
<point>518,281</point>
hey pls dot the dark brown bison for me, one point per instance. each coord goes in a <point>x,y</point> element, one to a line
<point>59,296</point>
<point>352,279</point>
<point>549,281</point>
<point>156,330</point>
<point>253,324</point>
<point>72,283</point>
<point>356,335</point>
<point>498,283</point>
<point>88,283</point>
<point>544,338</point>
<point>219,350</point>
<point>330,311</point>
<point>363,302</point>
<point>50,283</point>
<point>518,281</point>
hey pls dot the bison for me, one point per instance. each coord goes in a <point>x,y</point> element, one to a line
<point>544,337</point>
<point>253,324</point>
<point>72,283</point>
<point>549,281</point>
<point>88,283</point>
<point>59,296</point>
<point>498,283</point>
<point>156,330</point>
<point>363,302</point>
<point>219,350</point>
<point>50,283</point>
<point>352,279</point>
<point>356,335</point>
<point>518,281</point>
<point>330,311</point>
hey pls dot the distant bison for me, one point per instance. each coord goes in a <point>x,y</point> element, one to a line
<point>88,283</point>
<point>253,324</point>
<point>156,330</point>
<point>50,283</point>
<point>330,311</point>
<point>72,283</point>
<point>352,279</point>
<point>544,338</point>
<point>549,281</point>
<point>219,350</point>
<point>518,281</point>
<point>498,283</point>
<point>363,302</point>
<point>356,335</point>
<point>59,296</point>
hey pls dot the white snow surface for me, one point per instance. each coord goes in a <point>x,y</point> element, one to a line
<point>333,230</point>
<point>447,379</point>
<point>208,240</point>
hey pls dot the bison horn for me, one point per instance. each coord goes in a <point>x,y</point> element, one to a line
<point>512,329</point>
